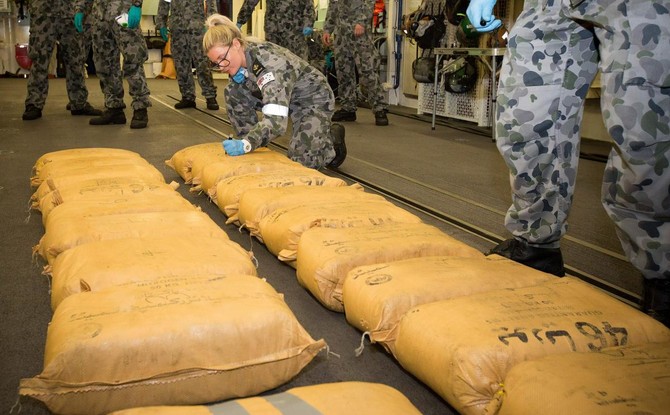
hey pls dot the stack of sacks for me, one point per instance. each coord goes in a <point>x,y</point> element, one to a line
<point>377,296</point>
<point>463,348</point>
<point>177,341</point>
<point>617,381</point>
<point>456,320</point>
<point>173,305</point>
<point>343,398</point>
<point>230,190</point>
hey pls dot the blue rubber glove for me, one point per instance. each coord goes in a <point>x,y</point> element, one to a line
<point>134,17</point>
<point>482,11</point>
<point>236,147</point>
<point>164,33</point>
<point>79,22</point>
<point>307,31</point>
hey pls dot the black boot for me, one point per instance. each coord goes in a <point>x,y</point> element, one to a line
<point>185,103</point>
<point>87,110</point>
<point>109,116</point>
<point>337,133</point>
<point>549,260</point>
<point>656,299</point>
<point>380,118</point>
<point>140,118</point>
<point>32,113</point>
<point>212,104</point>
<point>342,115</point>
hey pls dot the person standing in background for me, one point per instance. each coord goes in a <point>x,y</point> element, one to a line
<point>349,23</point>
<point>287,22</point>
<point>186,22</point>
<point>45,30</point>
<point>554,51</point>
<point>116,32</point>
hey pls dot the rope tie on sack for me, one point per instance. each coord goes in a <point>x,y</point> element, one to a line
<point>328,353</point>
<point>17,403</point>
<point>359,349</point>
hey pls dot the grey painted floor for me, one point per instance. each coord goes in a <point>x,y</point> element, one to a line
<point>453,173</point>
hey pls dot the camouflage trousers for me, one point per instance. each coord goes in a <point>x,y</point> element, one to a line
<point>353,53</point>
<point>187,51</point>
<point>552,58</point>
<point>286,35</point>
<point>44,33</point>
<point>110,41</point>
<point>311,144</point>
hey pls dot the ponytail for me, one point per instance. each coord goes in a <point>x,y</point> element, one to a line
<point>221,31</point>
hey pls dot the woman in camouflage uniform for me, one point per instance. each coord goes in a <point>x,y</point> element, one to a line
<point>270,79</point>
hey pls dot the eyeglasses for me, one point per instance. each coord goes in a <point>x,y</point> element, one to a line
<point>221,64</point>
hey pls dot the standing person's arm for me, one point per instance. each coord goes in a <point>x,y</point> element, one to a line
<point>308,17</point>
<point>330,24</point>
<point>162,18</point>
<point>246,10</point>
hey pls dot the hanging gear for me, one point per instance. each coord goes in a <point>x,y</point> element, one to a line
<point>460,75</point>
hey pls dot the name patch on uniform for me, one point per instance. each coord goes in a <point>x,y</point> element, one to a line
<point>265,79</point>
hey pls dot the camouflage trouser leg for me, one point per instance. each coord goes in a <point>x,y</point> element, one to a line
<point>42,40</point>
<point>311,144</point>
<point>549,65</point>
<point>636,109</point>
<point>108,65</point>
<point>288,37</point>
<point>74,59</point>
<point>186,51</point>
<point>349,49</point>
<point>135,53</point>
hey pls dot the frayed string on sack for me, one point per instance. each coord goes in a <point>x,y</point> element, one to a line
<point>328,353</point>
<point>16,404</point>
<point>359,350</point>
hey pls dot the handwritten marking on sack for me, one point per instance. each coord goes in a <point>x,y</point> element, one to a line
<point>607,337</point>
<point>378,279</point>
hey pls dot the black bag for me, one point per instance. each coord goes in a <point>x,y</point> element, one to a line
<point>423,70</point>
<point>428,30</point>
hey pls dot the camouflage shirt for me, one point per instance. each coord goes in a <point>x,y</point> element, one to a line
<point>343,15</point>
<point>185,14</point>
<point>283,83</point>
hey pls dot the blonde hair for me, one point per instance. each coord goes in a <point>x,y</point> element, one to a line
<point>221,31</point>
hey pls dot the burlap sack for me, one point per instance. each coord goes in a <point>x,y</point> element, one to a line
<point>64,179</point>
<point>254,162</point>
<point>91,167</point>
<point>229,190</point>
<point>615,381</point>
<point>376,296</point>
<point>68,232</point>
<point>148,202</point>
<point>342,398</point>
<point>281,230</point>
<point>255,204</point>
<point>175,342</point>
<point>201,160</point>
<point>100,265</point>
<point>182,161</point>
<point>77,153</point>
<point>463,348</point>
<point>104,191</point>
<point>325,255</point>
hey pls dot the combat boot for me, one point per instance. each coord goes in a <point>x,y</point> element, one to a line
<point>87,110</point>
<point>548,260</point>
<point>380,118</point>
<point>32,113</point>
<point>185,103</point>
<point>337,134</point>
<point>140,118</point>
<point>109,116</point>
<point>344,115</point>
<point>212,104</point>
<point>656,299</point>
